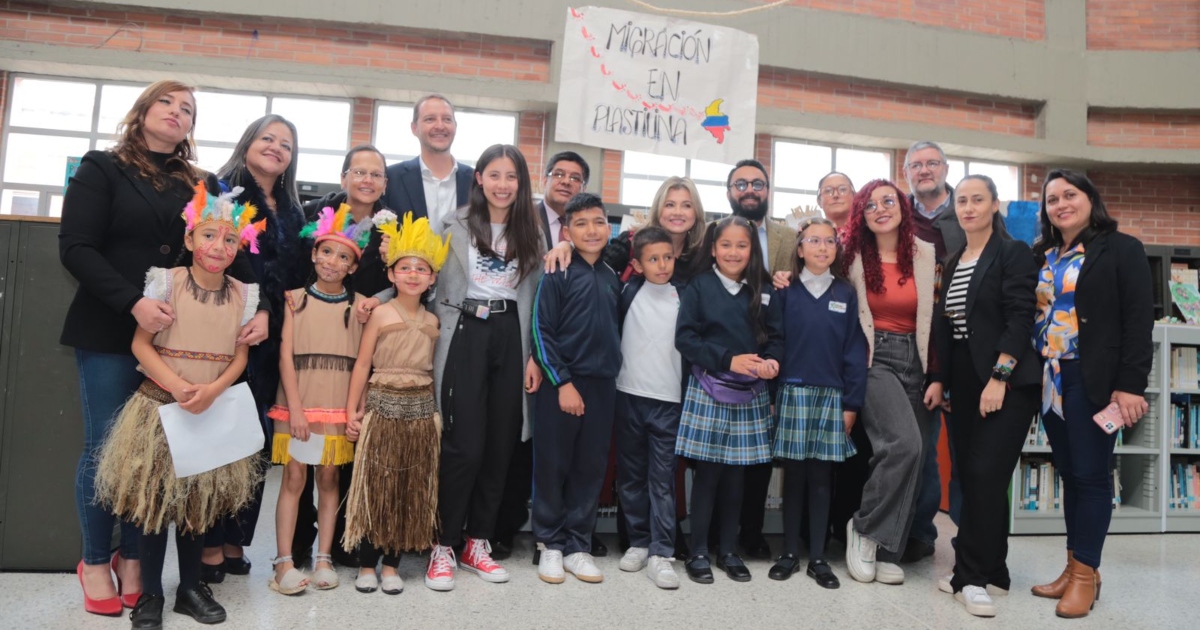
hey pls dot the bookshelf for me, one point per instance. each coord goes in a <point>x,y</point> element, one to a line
<point>1181,442</point>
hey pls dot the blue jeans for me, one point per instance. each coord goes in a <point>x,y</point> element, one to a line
<point>1083,455</point>
<point>106,381</point>
<point>929,494</point>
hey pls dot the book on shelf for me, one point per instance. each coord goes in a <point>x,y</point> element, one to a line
<point>1185,486</point>
<point>1184,372</point>
<point>1185,422</point>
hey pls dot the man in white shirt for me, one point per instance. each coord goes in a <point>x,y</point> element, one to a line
<point>433,184</point>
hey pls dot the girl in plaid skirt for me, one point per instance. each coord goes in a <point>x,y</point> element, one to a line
<point>728,330</point>
<point>822,383</point>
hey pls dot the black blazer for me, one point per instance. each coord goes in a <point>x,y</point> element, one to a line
<point>1115,305</point>
<point>544,212</point>
<point>406,191</point>
<point>114,227</point>
<point>1000,307</point>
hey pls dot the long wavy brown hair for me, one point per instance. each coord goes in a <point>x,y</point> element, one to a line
<point>860,240</point>
<point>131,149</point>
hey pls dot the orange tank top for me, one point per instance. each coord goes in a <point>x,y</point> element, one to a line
<point>895,310</point>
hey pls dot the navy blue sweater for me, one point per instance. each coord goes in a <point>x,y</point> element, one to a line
<point>714,326</point>
<point>575,322</point>
<point>824,344</point>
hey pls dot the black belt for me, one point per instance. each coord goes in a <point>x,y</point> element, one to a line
<point>493,306</point>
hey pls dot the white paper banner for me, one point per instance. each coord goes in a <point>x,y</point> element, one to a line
<point>224,433</point>
<point>656,84</point>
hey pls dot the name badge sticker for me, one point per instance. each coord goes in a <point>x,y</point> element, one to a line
<point>766,299</point>
<point>837,307</point>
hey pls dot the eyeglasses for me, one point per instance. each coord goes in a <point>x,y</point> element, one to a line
<point>830,190</point>
<point>816,240</point>
<point>561,175</point>
<point>888,202</point>
<point>404,270</point>
<point>741,185</point>
<point>931,165</point>
<point>358,173</point>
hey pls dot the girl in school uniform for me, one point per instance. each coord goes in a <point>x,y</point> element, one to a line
<point>728,330</point>
<point>317,352</point>
<point>191,362</point>
<point>823,378</point>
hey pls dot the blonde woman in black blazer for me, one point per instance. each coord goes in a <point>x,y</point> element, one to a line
<point>982,327</point>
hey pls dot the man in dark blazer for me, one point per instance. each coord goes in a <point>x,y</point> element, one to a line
<point>433,184</point>
<point>566,175</point>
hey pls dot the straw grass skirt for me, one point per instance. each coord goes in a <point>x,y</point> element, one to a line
<point>136,479</point>
<point>393,495</point>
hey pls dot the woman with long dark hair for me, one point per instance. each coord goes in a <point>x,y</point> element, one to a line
<point>263,164</point>
<point>484,302</point>
<point>1095,316</point>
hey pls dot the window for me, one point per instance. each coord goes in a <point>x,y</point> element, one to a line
<point>1006,176</point>
<point>643,173</point>
<point>475,132</point>
<point>799,166</point>
<point>49,120</point>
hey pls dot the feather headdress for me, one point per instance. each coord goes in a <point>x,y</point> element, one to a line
<point>412,238</point>
<point>339,226</point>
<point>205,208</point>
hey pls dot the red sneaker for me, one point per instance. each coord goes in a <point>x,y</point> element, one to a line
<point>440,575</point>
<point>477,558</point>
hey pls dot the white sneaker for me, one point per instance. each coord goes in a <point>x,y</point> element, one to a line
<point>634,559</point>
<point>977,601</point>
<point>660,571</point>
<point>550,568</point>
<point>860,555</point>
<point>888,573</point>
<point>583,566</point>
<point>945,587</point>
<point>440,574</point>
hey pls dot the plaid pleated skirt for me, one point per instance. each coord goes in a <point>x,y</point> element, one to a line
<point>737,435</point>
<point>810,424</point>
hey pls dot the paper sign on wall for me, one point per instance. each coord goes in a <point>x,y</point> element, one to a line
<point>657,84</point>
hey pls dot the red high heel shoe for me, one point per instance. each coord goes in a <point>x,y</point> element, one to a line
<point>110,607</point>
<point>129,600</point>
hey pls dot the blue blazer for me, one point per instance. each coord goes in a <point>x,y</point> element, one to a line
<point>406,191</point>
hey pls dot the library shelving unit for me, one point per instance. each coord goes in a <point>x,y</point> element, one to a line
<point>1144,458</point>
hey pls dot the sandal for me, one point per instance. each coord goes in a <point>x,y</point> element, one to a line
<point>294,581</point>
<point>324,579</point>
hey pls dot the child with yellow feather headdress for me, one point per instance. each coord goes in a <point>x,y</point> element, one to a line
<point>317,351</point>
<point>191,362</point>
<point>392,505</point>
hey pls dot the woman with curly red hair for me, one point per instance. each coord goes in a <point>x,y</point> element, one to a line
<point>894,275</point>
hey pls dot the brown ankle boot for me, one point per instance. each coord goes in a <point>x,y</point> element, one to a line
<point>1055,589</point>
<point>1081,594</point>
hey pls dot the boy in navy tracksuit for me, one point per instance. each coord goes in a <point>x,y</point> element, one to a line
<point>649,397</point>
<point>578,347</point>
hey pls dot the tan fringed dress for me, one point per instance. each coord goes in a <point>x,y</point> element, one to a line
<point>136,477</point>
<point>324,347</point>
<point>393,496</point>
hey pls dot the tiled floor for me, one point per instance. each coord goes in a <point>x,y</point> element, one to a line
<point>1149,582</point>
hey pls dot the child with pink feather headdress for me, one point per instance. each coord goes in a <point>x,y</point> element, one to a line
<point>317,352</point>
<point>192,362</point>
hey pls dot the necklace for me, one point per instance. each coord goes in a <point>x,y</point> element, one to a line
<point>332,298</point>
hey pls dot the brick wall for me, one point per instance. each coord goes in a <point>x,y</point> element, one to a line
<point>1159,208</point>
<point>531,142</point>
<point>763,150</point>
<point>1146,130</point>
<point>810,93</point>
<point>1021,19</point>
<point>1143,24</point>
<point>362,120</point>
<point>610,176</point>
<point>275,40</point>
<point>1032,180</point>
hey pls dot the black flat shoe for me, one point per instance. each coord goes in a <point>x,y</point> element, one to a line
<point>757,548</point>
<point>198,603</point>
<point>785,566</point>
<point>147,613</point>
<point>501,549</point>
<point>212,573</point>
<point>915,551</point>
<point>237,566</point>
<point>733,566</point>
<point>822,574</point>
<point>699,569</point>
<point>599,549</point>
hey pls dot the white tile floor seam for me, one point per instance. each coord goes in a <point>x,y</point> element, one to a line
<point>1144,585</point>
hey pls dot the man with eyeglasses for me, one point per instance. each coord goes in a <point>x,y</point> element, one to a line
<point>749,191</point>
<point>566,175</point>
<point>433,184</point>
<point>934,221</point>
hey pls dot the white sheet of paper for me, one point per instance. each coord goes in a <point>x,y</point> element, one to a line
<point>307,452</point>
<point>226,432</point>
